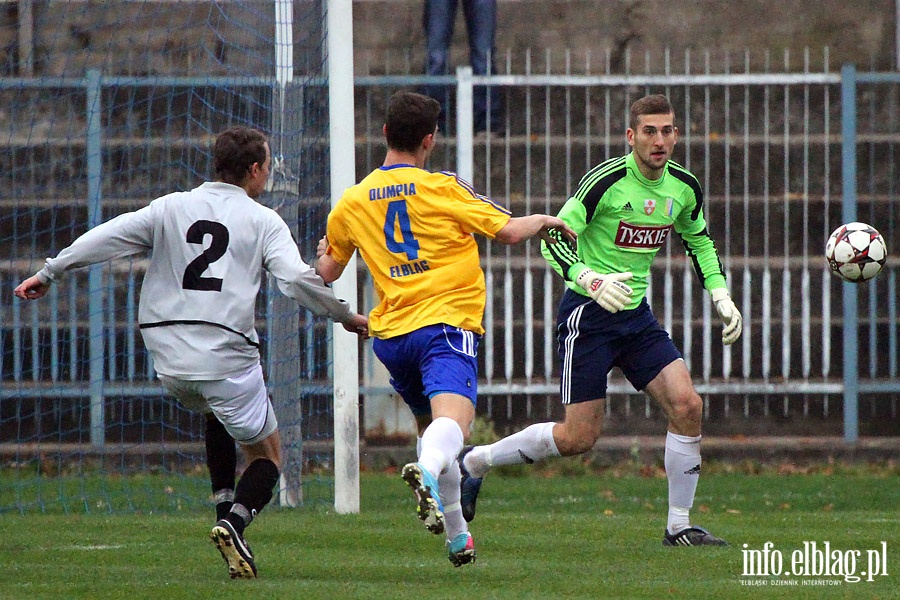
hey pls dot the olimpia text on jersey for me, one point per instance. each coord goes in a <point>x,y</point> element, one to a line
<point>392,191</point>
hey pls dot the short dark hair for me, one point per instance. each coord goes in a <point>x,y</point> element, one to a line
<point>235,151</point>
<point>655,104</point>
<point>410,117</point>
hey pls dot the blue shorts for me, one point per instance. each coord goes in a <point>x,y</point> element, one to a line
<point>432,360</point>
<point>593,340</point>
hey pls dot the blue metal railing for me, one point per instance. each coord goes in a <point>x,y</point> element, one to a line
<point>851,390</point>
<point>103,380</point>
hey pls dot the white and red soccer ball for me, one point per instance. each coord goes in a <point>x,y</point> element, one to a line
<point>855,252</point>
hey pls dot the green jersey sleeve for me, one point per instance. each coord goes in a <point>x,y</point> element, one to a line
<point>691,227</point>
<point>563,255</point>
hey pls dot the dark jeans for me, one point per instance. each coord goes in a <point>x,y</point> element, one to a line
<point>481,23</point>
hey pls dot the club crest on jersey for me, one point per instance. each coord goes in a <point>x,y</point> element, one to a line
<point>641,236</point>
<point>649,206</point>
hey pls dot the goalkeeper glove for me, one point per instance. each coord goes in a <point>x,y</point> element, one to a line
<point>607,290</point>
<point>728,312</point>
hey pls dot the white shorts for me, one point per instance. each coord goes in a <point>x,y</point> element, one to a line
<point>240,403</point>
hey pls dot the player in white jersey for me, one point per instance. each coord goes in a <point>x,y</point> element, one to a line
<point>197,311</point>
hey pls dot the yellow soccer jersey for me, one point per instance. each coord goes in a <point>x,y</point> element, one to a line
<point>413,228</point>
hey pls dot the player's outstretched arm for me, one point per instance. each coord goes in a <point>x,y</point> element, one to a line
<point>32,288</point>
<point>125,235</point>
<point>519,229</point>
<point>730,315</point>
<point>328,268</point>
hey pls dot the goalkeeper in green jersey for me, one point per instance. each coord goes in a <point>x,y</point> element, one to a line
<point>623,212</point>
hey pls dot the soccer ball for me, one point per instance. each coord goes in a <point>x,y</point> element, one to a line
<point>855,252</point>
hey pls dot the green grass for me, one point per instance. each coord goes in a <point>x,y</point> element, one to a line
<point>563,536</point>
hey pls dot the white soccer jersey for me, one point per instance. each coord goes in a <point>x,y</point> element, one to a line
<point>197,303</point>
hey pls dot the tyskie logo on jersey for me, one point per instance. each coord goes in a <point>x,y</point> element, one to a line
<point>641,236</point>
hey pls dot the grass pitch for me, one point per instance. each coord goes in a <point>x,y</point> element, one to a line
<point>545,535</point>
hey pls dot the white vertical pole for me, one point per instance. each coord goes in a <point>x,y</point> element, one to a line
<point>464,123</point>
<point>284,42</point>
<point>339,44</point>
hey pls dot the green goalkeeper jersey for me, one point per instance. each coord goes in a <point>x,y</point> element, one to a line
<point>622,220</point>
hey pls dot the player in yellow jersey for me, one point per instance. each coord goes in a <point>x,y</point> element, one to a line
<point>414,230</point>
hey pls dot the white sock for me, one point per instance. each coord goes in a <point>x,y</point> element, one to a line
<point>532,444</point>
<point>449,485</point>
<point>683,471</point>
<point>442,442</point>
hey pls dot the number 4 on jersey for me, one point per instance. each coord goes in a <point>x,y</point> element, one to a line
<point>397,215</point>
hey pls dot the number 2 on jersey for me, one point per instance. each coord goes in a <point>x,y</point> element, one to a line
<point>398,215</point>
<point>193,279</point>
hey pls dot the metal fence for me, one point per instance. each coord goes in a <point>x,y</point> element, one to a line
<point>777,155</point>
<point>783,159</point>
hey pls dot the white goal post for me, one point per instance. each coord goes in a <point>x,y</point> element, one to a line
<point>342,135</point>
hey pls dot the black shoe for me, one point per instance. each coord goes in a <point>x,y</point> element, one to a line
<point>692,536</point>
<point>234,550</point>
<point>469,487</point>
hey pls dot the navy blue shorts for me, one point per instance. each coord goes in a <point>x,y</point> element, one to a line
<point>432,360</point>
<point>593,340</point>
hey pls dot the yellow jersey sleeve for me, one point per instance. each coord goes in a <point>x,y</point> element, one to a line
<point>475,212</point>
<point>340,245</point>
